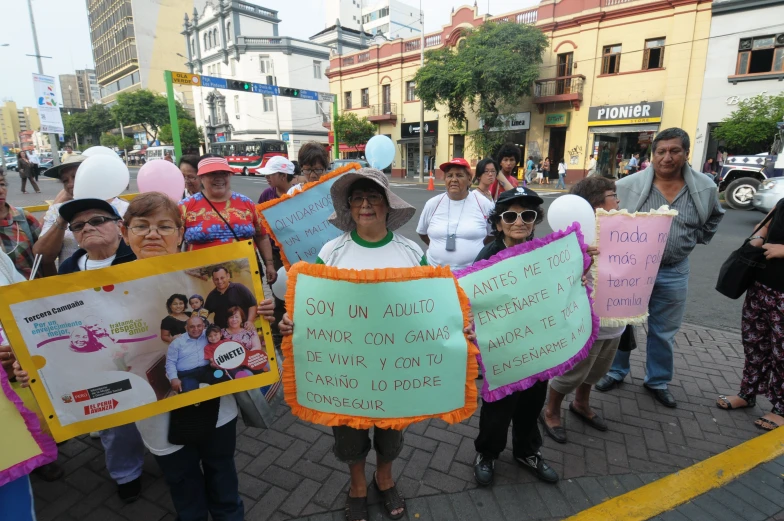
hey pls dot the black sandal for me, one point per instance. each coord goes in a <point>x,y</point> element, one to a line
<point>357,509</point>
<point>766,424</point>
<point>392,500</point>
<point>724,403</point>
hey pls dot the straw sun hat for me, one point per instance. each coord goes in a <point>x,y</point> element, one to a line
<point>400,212</point>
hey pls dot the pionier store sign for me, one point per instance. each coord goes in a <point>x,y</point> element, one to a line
<point>629,114</point>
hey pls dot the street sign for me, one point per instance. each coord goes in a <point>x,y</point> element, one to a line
<point>261,88</point>
<point>285,136</point>
<point>213,83</point>
<point>186,78</point>
<point>324,96</point>
<point>62,138</point>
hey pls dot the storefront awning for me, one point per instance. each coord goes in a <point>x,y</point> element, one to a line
<point>415,141</point>
<point>620,129</point>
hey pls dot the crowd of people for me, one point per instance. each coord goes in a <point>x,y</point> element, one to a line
<point>458,227</point>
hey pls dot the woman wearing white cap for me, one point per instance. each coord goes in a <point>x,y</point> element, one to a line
<point>454,225</point>
<point>368,212</point>
<point>279,172</point>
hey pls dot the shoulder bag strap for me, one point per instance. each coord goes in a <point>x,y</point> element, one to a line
<point>255,248</point>
<point>762,224</point>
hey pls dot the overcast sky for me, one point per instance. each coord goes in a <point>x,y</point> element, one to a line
<point>63,34</point>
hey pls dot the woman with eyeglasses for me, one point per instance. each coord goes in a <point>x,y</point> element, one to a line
<point>488,171</point>
<point>313,161</point>
<point>454,225</point>
<point>189,166</point>
<point>516,214</point>
<point>600,193</point>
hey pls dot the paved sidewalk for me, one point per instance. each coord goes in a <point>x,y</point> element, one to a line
<point>289,471</point>
<point>755,496</point>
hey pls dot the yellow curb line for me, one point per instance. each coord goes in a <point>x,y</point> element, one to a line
<point>669,492</point>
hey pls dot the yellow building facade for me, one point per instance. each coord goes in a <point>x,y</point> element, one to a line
<point>616,71</point>
<point>14,120</point>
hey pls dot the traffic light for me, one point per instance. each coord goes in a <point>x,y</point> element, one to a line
<point>240,85</point>
<point>289,92</point>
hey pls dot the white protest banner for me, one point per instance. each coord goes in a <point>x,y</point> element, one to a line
<point>631,246</point>
<point>104,347</point>
<point>532,314</point>
<point>45,90</point>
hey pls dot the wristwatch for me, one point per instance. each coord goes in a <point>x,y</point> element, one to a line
<point>756,237</point>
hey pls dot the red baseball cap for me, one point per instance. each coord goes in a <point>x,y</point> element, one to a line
<point>209,165</point>
<point>458,161</point>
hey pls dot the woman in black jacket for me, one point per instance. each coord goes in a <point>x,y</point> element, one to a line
<point>516,214</point>
<point>25,169</point>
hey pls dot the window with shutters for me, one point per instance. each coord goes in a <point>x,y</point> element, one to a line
<point>347,100</point>
<point>760,55</point>
<point>611,59</point>
<point>264,64</point>
<point>411,91</point>
<point>365,97</point>
<point>653,55</point>
<point>268,103</point>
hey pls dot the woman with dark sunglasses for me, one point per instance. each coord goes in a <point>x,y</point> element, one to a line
<point>516,214</point>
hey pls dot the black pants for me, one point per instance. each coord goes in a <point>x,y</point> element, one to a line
<point>280,304</point>
<point>522,409</point>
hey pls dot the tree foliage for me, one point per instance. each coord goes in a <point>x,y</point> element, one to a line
<point>354,130</point>
<point>91,123</point>
<point>145,108</point>
<point>109,140</point>
<point>190,135</point>
<point>488,73</point>
<point>752,127</point>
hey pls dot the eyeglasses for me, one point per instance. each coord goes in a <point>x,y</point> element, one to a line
<point>372,199</point>
<point>317,171</point>
<point>614,194</point>
<point>95,222</point>
<point>489,171</point>
<point>510,217</point>
<point>143,230</point>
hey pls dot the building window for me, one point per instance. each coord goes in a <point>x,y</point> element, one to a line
<point>236,105</point>
<point>365,97</point>
<point>205,42</point>
<point>268,103</point>
<point>193,47</point>
<point>653,57</point>
<point>317,69</point>
<point>228,31</point>
<point>761,54</point>
<point>347,100</point>
<point>410,91</point>
<point>264,64</point>
<point>215,36</point>
<point>611,59</point>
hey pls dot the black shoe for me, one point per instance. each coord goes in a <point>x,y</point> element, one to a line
<point>606,383</point>
<point>484,469</point>
<point>129,492</point>
<point>540,469</point>
<point>664,396</point>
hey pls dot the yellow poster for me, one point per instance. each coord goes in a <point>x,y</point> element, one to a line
<point>116,345</point>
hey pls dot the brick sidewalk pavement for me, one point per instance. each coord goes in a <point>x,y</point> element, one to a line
<point>289,471</point>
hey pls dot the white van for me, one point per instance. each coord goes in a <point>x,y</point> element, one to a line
<point>159,152</point>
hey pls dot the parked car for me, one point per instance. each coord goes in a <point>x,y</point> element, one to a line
<point>10,164</point>
<point>768,194</point>
<point>337,163</point>
<point>45,165</point>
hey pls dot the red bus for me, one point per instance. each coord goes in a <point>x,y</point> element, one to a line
<point>247,157</point>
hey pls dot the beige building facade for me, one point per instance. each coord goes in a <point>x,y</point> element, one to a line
<point>616,72</point>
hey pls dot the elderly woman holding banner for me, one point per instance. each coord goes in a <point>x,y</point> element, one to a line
<point>516,214</point>
<point>368,212</point>
<point>202,476</point>
<point>600,193</point>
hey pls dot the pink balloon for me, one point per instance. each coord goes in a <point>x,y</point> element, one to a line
<point>161,176</point>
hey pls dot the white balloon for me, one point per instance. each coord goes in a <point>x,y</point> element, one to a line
<point>568,209</point>
<point>279,287</point>
<point>99,151</point>
<point>101,177</point>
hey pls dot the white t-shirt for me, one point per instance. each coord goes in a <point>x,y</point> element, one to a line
<point>352,252</point>
<point>85,263</point>
<point>561,168</point>
<point>70,246</point>
<point>467,219</point>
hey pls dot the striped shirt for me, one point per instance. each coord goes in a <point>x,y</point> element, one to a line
<point>685,232</point>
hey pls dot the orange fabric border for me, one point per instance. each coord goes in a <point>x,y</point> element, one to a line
<point>307,186</point>
<point>370,277</point>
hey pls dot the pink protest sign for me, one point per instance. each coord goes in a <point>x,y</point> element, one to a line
<point>631,246</point>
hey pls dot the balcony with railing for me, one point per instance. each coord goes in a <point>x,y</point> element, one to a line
<point>382,112</point>
<point>560,89</point>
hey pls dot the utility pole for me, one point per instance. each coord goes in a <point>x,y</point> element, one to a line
<point>125,150</point>
<point>275,98</point>
<point>52,137</point>
<point>421,103</point>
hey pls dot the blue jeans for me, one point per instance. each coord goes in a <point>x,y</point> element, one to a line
<point>124,452</point>
<point>193,377</point>
<point>216,489</point>
<point>665,310</point>
<point>16,500</point>
<point>561,181</point>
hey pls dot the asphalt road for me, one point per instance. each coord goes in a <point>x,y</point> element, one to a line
<point>705,306</point>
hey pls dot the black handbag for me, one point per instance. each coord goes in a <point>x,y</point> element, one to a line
<point>628,340</point>
<point>740,269</point>
<point>193,423</point>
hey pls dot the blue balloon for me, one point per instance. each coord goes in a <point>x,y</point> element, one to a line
<point>380,152</point>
